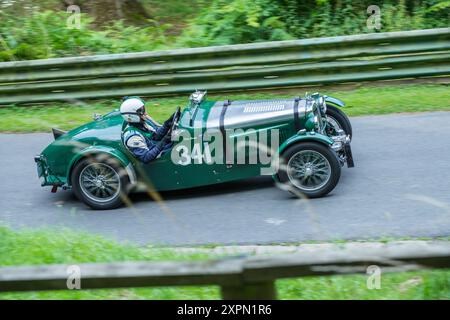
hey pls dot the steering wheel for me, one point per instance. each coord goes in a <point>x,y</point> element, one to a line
<point>176,119</point>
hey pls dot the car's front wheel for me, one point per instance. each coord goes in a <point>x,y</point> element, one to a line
<point>337,120</point>
<point>310,168</point>
<point>99,182</point>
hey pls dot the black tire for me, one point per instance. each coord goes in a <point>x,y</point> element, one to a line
<point>341,118</point>
<point>100,162</point>
<point>301,149</point>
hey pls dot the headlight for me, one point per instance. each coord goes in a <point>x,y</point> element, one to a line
<point>321,100</point>
<point>322,104</point>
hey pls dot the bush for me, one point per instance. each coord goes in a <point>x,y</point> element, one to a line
<point>241,21</point>
<point>237,21</point>
<point>40,33</point>
<point>45,35</point>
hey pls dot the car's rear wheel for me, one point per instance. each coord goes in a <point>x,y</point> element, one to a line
<point>99,182</point>
<point>310,168</point>
<point>336,120</point>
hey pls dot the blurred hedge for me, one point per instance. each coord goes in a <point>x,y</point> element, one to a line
<point>243,21</point>
<point>40,31</point>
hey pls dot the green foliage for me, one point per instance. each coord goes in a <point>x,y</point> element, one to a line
<point>239,21</point>
<point>362,101</point>
<point>122,38</point>
<point>46,34</point>
<point>68,247</point>
<point>440,6</point>
<point>411,285</point>
<point>38,33</point>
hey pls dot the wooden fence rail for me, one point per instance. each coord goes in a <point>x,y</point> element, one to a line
<point>378,56</point>
<point>251,277</point>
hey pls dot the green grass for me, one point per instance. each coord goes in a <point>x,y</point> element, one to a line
<point>361,101</point>
<point>69,247</point>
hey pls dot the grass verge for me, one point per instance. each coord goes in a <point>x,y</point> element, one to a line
<point>47,247</point>
<point>361,101</point>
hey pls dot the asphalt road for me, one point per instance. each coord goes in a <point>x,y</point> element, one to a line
<point>400,187</point>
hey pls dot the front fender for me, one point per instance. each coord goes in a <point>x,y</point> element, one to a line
<point>307,136</point>
<point>335,101</point>
<point>93,150</point>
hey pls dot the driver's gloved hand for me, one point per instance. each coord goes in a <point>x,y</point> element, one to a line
<point>167,139</point>
<point>169,121</point>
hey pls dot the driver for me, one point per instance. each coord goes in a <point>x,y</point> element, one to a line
<point>143,137</point>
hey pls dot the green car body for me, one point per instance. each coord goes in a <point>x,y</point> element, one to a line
<point>102,137</point>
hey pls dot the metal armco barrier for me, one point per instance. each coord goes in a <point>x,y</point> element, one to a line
<point>366,57</point>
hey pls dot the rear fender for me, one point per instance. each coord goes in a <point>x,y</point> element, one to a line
<point>96,150</point>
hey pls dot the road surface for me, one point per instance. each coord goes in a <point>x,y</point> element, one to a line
<point>400,187</point>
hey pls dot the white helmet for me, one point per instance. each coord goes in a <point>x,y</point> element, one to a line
<point>132,108</point>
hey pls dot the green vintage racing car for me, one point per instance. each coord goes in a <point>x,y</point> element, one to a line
<point>301,142</point>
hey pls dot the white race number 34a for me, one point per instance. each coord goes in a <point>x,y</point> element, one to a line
<point>197,155</point>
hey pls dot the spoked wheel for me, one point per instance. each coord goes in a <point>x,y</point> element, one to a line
<point>98,183</point>
<point>337,120</point>
<point>310,168</point>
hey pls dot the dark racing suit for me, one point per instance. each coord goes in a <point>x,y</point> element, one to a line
<point>144,140</point>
